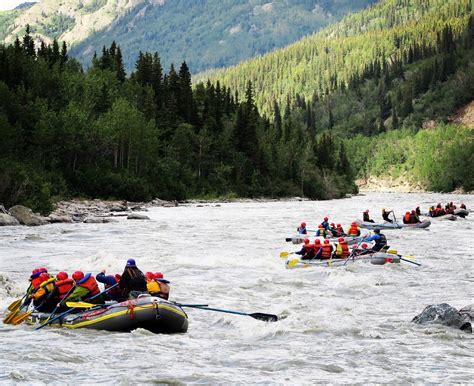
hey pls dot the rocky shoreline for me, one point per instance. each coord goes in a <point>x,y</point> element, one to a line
<point>80,211</point>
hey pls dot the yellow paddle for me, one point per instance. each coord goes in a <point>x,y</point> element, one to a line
<point>81,305</point>
<point>292,263</point>
<point>20,318</point>
<point>10,316</point>
<point>15,305</point>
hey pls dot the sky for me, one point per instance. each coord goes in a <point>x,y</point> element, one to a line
<point>10,4</point>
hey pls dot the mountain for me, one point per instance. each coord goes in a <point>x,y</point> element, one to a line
<point>317,64</point>
<point>205,33</point>
<point>25,5</point>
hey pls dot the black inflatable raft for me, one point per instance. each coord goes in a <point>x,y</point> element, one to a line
<point>151,313</point>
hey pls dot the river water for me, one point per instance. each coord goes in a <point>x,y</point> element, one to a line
<point>339,325</point>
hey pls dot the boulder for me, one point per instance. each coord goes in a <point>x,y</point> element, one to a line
<point>447,315</point>
<point>26,216</point>
<point>54,218</point>
<point>118,208</point>
<point>96,220</point>
<point>136,216</point>
<point>6,220</point>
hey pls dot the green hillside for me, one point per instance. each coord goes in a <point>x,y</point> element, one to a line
<point>214,33</point>
<point>318,64</point>
<point>6,19</point>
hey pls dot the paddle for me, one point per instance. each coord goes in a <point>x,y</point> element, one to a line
<point>72,309</point>
<point>16,304</point>
<point>20,318</point>
<point>83,305</point>
<point>286,254</point>
<point>409,261</point>
<point>10,316</point>
<point>255,315</point>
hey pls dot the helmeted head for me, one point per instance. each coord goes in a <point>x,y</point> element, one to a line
<point>366,211</point>
<point>306,241</point>
<point>158,275</point>
<point>42,269</point>
<point>407,212</point>
<point>317,242</point>
<point>320,226</point>
<point>149,276</point>
<point>333,225</point>
<point>131,263</point>
<point>377,230</point>
<point>340,239</point>
<point>62,275</point>
<point>364,245</point>
<point>117,277</point>
<point>326,219</point>
<point>43,277</point>
<point>303,225</point>
<point>78,275</point>
<point>413,211</point>
<point>354,224</point>
<point>339,225</point>
<point>326,241</point>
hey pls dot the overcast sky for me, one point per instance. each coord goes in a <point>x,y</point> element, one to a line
<point>10,4</point>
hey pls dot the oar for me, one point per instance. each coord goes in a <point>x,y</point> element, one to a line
<point>10,316</point>
<point>83,305</point>
<point>256,315</point>
<point>409,261</point>
<point>16,304</point>
<point>72,309</point>
<point>286,254</point>
<point>20,318</point>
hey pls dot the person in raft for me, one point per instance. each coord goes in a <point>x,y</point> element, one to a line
<point>157,285</point>
<point>325,223</point>
<point>108,281</point>
<point>379,238</point>
<point>307,251</point>
<point>132,282</point>
<point>302,229</point>
<point>385,215</point>
<point>366,217</point>
<point>354,230</point>
<point>85,287</point>
<point>342,249</point>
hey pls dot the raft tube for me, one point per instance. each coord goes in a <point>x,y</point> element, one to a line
<point>299,239</point>
<point>376,258</point>
<point>153,314</point>
<point>387,225</point>
<point>461,212</point>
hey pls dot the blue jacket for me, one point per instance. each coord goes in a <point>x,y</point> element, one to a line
<point>374,237</point>
<point>302,231</point>
<point>325,224</point>
<point>106,279</point>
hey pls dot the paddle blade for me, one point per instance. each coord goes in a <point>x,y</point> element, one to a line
<point>288,239</point>
<point>284,254</point>
<point>264,317</point>
<point>80,305</point>
<point>292,263</point>
<point>10,316</point>
<point>20,318</point>
<point>15,305</point>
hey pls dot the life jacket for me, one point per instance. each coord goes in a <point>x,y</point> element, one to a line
<point>326,253</point>
<point>35,280</point>
<point>322,232</point>
<point>44,289</point>
<point>308,248</point>
<point>334,232</point>
<point>340,230</point>
<point>64,286</point>
<point>381,242</point>
<point>342,249</point>
<point>157,288</point>
<point>407,218</point>
<point>354,231</point>
<point>301,231</point>
<point>88,282</point>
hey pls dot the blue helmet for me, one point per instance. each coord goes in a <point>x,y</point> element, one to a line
<point>131,263</point>
<point>376,230</point>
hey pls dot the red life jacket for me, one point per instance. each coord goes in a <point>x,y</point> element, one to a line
<point>463,206</point>
<point>353,230</point>
<point>90,284</point>
<point>64,286</point>
<point>308,248</point>
<point>326,253</point>
<point>35,282</point>
<point>340,230</point>
<point>406,217</point>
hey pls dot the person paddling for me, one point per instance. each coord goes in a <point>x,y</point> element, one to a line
<point>133,281</point>
<point>109,280</point>
<point>385,215</point>
<point>342,249</point>
<point>86,287</point>
<point>302,229</point>
<point>379,238</point>
<point>307,251</point>
<point>366,217</point>
<point>354,230</point>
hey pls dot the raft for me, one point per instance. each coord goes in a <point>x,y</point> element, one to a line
<point>386,225</point>
<point>461,212</point>
<point>299,239</point>
<point>450,217</point>
<point>153,314</point>
<point>376,258</point>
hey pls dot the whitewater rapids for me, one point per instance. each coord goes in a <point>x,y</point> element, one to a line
<point>339,325</point>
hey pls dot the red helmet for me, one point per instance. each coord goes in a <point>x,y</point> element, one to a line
<point>78,275</point>
<point>407,212</point>
<point>317,242</point>
<point>36,270</point>
<point>43,277</point>
<point>354,223</point>
<point>326,219</point>
<point>413,211</point>
<point>338,225</point>
<point>364,245</point>
<point>158,275</point>
<point>366,211</point>
<point>320,226</point>
<point>61,276</point>
<point>326,241</point>
<point>332,224</point>
<point>303,224</point>
<point>306,241</point>
<point>117,277</point>
<point>340,239</point>
<point>150,275</point>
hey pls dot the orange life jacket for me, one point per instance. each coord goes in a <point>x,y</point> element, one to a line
<point>354,230</point>
<point>327,249</point>
<point>308,248</point>
<point>89,283</point>
<point>64,286</point>
<point>342,249</point>
<point>406,217</point>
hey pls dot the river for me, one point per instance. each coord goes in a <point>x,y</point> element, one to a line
<point>339,325</point>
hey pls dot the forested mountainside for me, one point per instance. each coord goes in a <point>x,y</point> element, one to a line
<point>399,64</point>
<point>205,33</point>
<point>66,132</point>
